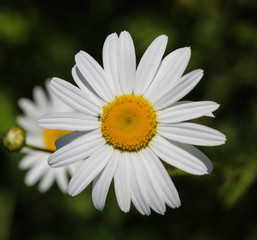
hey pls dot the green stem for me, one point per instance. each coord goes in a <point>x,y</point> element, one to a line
<point>38,148</point>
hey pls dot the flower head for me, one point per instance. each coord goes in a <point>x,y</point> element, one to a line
<point>14,139</point>
<point>127,120</point>
<point>42,139</point>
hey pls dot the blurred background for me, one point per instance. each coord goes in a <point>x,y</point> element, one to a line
<point>38,39</point>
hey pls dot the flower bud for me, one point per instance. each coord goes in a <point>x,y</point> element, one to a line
<point>14,139</point>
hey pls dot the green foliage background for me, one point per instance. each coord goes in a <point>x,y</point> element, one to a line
<point>38,39</point>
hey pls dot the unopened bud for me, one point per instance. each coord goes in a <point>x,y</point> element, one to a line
<point>14,139</point>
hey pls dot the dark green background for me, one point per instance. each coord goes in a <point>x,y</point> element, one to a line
<point>38,39</point>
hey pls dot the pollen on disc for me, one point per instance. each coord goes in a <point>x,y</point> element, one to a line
<point>128,123</point>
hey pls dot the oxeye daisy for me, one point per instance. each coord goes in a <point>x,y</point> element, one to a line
<point>40,142</point>
<point>128,120</point>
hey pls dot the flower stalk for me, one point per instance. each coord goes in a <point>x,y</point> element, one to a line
<point>14,139</point>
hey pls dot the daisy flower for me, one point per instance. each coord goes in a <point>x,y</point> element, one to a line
<point>40,142</point>
<point>128,120</point>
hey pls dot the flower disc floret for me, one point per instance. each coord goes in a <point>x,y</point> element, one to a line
<point>128,123</point>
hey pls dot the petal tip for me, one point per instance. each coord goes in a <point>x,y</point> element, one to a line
<point>125,33</point>
<point>21,102</point>
<point>71,191</point>
<point>113,35</point>
<point>51,162</point>
<point>163,37</point>
<point>201,71</point>
<point>209,169</point>
<point>54,79</point>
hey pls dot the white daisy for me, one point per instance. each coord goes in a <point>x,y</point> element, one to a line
<point>38,138</point>
<point>128,119</point>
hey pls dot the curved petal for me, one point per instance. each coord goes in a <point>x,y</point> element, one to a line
<point>40,97</point>
<point>52,98</point>
<point>122,183</point>
<point>126,63</point>
<point>103,181</point>
<point>74,97</point>
<point>184,111</point>
<point>89,169</point>
<point>71,169</point>
<point>94,74</point>
<point>138,202</point>
<point>86,88</point>
<point>137,197</point>
<point>182,156</point>
<point>69,121</point>
<point>28,161</point>
<point>77,150</point>
<point>28,107</point>
<point>35,139</point>
<point>36,172</point>
<point>47,181</point>
<point>159,174</point>
<point>171,69</point>
<point>110,63</point>
<point>149,64</point>
<point>147,186</point>
<point>191,133</point>
<point>68,138</point>
<point>180,89</point>
<point>61,178</point>
<point>28,124</point>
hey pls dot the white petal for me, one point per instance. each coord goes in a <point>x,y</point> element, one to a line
<point>36,139</point>
<point>77,150</point>
<point>169,72</point>
<point>89,169</point>
<point>61,178</point>
<point>182,156</point>
<point>36,172</point>
<point>155,193</point>
<point>180,89</point>
<point>122,183</point>
<point>94,74</point>
<point>74,97</point>
<point>71,169</point>
<point>28,124</point>
<point>103,180</point>
<point>159,174</point>
<point>69,121</point>
<point>28,107</point>
<point>191,133</point>
<point>52,97</point>
<point>126,63</point>
<point>26,150</point>
<point>28,161</point>
<point>147,187</point>
<point>85,87</point>
<point>136,201</point>
<point>55,104</point>
<point>110,63</point>
<point>149,64</point>
<point>47,181</point>
<point>40,97</point>
<point>68,138</point>
<point>184,111</point>
<point>140,182</point>
<point>137,197</point>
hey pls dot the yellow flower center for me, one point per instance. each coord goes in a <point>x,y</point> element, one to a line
<point>51,135</point>
<point>128,123</point>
